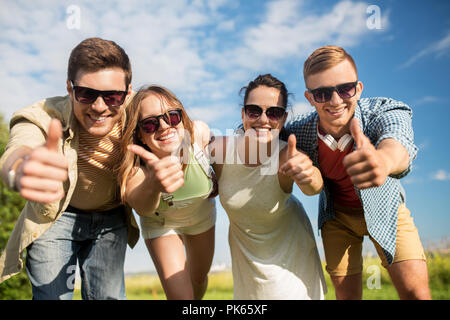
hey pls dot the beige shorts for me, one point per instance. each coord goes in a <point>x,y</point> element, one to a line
<point>203,219</point>
<point>343,237</point>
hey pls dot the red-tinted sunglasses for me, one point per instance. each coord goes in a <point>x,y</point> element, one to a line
<point>151,124</point>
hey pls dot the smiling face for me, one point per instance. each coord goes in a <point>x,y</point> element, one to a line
<point>262,127</point>
<point>97,118</point>
<point>166,139</point>
<point>334,115</point>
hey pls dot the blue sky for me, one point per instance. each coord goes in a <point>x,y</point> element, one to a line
<point>205,51</point>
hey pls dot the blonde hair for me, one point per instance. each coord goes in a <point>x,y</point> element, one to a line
<point>130,161</point>
<point>325,58</point>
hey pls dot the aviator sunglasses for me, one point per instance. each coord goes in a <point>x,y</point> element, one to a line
<point>112,98</point>
<point>254,111</point>
<point>152,124</point>
<point>324,94</point>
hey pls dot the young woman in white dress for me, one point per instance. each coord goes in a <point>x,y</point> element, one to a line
<point>273,249</point>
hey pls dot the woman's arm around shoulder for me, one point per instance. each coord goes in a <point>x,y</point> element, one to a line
<point>202,133</point>
<point>214,146</point>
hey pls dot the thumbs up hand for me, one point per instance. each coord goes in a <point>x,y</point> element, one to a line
<point>40,175</point>
<point>297,166</point>
<point>366,166</point>
<point>164,175</point>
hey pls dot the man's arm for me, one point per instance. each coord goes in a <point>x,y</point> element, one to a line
<point>395,156</point>
<point>393,121</point>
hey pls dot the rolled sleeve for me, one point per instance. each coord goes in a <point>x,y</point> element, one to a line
<point>23,134</point>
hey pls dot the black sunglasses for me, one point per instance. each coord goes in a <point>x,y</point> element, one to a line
<point>112,98</point>
<point>254,111</point>
<point>324,94</point>
<point>151,124</point>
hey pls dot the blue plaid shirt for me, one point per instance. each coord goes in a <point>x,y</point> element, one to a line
<point>379,118</point>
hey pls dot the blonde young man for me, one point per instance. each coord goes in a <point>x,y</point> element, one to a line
<point>62,156</point>
<point>362,147</point>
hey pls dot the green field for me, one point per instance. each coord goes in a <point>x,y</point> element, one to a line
<point>148,287</point>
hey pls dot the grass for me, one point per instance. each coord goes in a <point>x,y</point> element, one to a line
<point>148,287</point>
<point>220,287</point>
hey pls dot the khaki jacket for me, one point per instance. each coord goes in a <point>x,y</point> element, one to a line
<point>29,128</point>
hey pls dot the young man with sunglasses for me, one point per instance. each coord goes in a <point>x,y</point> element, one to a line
<point>62,157</point>
<point>362,148</point>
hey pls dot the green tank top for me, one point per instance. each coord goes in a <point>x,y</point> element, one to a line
<point>196,183</point>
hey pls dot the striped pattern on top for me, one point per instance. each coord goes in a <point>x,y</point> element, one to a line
<point>99,152</point>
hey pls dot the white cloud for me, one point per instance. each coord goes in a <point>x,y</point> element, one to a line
<point>289,30</point>
<point>423,146</point>
<point>161,40</point>
<point>210,114</point>
<point>204,51</point>
<point>298,109</point>
<point>228,25</point>
<point>426,100</point>
<point>412,180</point>
<point>441,175</point>
<point>438,48</point>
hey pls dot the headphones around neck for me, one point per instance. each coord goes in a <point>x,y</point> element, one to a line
<point>342,144</point>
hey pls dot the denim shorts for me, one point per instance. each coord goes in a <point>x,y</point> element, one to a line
<point>96,241</point>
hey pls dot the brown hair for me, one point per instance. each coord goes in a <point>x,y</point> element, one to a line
<point>94,54</point>
<point>130,161</point>
<point>325,58</point>
<point>266,80</point>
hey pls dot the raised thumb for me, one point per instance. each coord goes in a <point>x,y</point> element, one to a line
<point>357,134</point>
<point>54,134</point>
<point>292,145</point>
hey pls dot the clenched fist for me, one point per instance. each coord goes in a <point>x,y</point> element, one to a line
<point>41,175</point>
<point>298,165</point>
<point>366,166</point>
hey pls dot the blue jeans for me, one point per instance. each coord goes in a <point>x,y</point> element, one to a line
<point>97,240</point>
